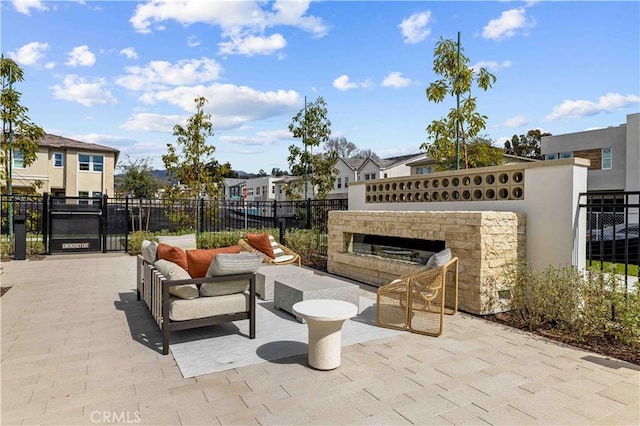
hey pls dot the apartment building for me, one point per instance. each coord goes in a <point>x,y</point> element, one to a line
<point>66,167</point>
<point>614,153</point>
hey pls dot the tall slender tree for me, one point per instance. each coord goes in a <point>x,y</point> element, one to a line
<point>187,163</point>
<point>19,133</point>
<point>526,145</point>
<point>312,125</point>
<point>463,123</point>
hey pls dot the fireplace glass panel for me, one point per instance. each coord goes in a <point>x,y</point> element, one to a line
<point>412,250</point>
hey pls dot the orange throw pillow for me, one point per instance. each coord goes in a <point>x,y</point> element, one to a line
<point>173,254</point>
<point>261,242</point>
<point>200,259</point>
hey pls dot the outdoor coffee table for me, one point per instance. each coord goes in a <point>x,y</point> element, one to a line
<point>290,290</point>
<point>266,275</point>
<point>324,319</point>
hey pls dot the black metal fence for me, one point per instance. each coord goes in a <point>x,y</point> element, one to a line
<point>29,206</point>
<point>126,215</point>
<point>612,226</point>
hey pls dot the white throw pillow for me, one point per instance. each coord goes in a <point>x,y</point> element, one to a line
<point>234,264</point>
<point>149,251</point>
<point>185,242</point>
<point>171,271</point>
<point>439,259</point>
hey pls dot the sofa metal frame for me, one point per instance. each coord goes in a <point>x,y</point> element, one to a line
<point>153,288</point>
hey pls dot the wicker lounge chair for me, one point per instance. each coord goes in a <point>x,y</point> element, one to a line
<point>417,302</point>
<point>245,246</point>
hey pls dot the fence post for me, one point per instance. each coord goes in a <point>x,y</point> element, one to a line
<point>308,213</point>
<point>200,215</point>
<point>103,222</point>
<point>275,214</point>
<point>126,223</point>
<point>45,222</point>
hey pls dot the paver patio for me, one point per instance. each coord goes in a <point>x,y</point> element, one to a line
<point>78,348</point>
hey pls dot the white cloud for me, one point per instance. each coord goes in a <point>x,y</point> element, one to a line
<point>492,66</point>
<point>231,106</point>
<point>396,80</point>
<point>193,41</point>
<point>263,138</point>
<point>81,56</point>
<point>30,53</point>
<point>151,122</point>
<point>581,108</point>
<point>243,22</point>
<point>416,27</point>
<point>507,25</point>
<point>50,65</point>
<point>129,52</point>
<point>159,75</point>
<point>77,89</point>
<point>343,83</point>
<point>517,121</point>
<point>25,6</point>
<point>253,45</point>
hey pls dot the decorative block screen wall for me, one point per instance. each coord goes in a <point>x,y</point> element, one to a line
<point>482,240</point>
<point>493,186</point>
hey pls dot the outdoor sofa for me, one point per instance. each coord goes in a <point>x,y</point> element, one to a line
<point>178,301</point>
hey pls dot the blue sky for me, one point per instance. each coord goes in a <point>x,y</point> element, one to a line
<point>123,73</point>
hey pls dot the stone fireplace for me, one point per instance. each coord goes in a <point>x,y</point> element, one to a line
<point>376,247</point>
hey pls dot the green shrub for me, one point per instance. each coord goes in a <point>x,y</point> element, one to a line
<point>593,304</point>
<point>306,242</point>
<point>135,241</point>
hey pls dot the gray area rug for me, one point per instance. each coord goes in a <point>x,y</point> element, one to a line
<point>278,335</point>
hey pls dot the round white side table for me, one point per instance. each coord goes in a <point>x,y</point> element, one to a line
<point>324,318</point>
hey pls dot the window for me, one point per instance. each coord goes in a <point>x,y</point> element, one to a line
<point>424,170</point>
<point>606,158</point>
<point>346,181</point>
<point>273,189</point>
<point>339,183</point>
<point>90,162</point>
<point>385,175</point>
<point>83,194</point>
<point>18,159</point>
<point>258,190</point>
<point>566,154</point>
<point>369,176</point>
<point>57,159</point>
<point>550,156</point>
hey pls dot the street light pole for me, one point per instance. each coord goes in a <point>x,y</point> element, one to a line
<point>458,109</point>
<point>304,142</point>
<point>10,177</point>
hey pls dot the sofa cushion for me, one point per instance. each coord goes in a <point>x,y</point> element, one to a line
<point>261,243</point>
<point>224,287</point>
<point>199,260</point>
<point>185,242</point>
<point>173,254</point>
<point>149,251</point>
<point>439,259</point>
<point>202,307</point>
<point>234,264</point>
<point>172,271</point>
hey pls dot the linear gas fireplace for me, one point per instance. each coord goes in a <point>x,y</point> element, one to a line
<point>411,250</point>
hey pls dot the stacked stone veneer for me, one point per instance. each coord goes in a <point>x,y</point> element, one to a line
<point>483,241</point>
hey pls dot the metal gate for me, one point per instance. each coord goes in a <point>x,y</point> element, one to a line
<point>75,224</point>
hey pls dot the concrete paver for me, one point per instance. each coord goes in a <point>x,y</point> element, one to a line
<point>78,348</point>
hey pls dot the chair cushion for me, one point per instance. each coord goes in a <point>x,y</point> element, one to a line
<point>278,254</point>
<point>199,260</point>
<point>261,242</point>
<point>149,251</point>
<point>171,272</point>
<point>439,259</point>
<point>234,264</point>
<point>185,242</point>
<point>173,254</point>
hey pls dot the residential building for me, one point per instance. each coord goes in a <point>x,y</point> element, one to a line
<point>66,167</point>
<point>614,153</point>
<point>426,164</point>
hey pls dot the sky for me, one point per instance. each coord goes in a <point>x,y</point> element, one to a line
<point>124,73</point>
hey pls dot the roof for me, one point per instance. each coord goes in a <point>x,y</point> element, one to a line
<point>387,163</point>
<point>353,163</point>
<point>61,142</point>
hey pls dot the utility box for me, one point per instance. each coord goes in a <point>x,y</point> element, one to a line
<point>20,237</point>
